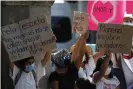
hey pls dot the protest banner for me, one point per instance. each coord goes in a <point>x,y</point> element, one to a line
<point>129,5</point>
<point>26,38</point>
<point>80,22</point>
<point>116,37</point>
<point>105,12</point>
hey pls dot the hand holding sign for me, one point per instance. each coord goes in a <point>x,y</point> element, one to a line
<point>80,22</point>
<point>85,35</point>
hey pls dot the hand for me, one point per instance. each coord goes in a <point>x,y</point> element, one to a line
<point>85,35</point>
<point>109,55</point>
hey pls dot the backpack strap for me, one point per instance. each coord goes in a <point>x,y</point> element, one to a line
<point>35,77</point>
<point>18,77</point>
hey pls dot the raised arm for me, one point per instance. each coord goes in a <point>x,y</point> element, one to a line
<point>98,75</point>
<point>79,50</point>
<point>11,65</point>
<point>46,58</point>
<point>97,56</point>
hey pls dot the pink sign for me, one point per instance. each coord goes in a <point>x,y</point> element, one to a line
<point>105,12</point>
<point>129,7</point>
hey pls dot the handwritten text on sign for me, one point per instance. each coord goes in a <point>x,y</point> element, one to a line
<point>26,38</point>
<point>116,37</point>
<point>80,22</point>
<point>103,11</point>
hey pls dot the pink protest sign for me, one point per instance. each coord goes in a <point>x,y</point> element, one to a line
<point>129,7</point>
<point>105,12</point>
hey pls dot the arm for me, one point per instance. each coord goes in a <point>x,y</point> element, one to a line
<point>55,85</point>
<point>89,50</point>
<point>78,52</point>
<point>11,65</point>
<point>98,75</point>
<point>46,58</point>
<point>97,56</point>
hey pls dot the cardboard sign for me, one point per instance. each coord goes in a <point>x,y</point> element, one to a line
<point>15,49</point>
<point>116,37</point>
<point>26,38</point>
<point>80,23</point>
<point>104,12</point>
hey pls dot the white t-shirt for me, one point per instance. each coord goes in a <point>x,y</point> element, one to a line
<point>27,81</point>
<point>108,84</point>
<point>85,73</point>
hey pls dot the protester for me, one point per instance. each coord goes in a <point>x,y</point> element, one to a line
<point>89,60</point>
<point>128,19</point>
<point>24,73</point>
<point>67,66</point>
<point>84,84</point>
<point>117,58</point>
<point>102,75</point>
<point>117,69</point>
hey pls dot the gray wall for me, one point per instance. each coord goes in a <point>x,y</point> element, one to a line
<point>12,13</point>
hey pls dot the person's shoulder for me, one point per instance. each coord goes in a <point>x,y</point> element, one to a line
<point>54,76</point>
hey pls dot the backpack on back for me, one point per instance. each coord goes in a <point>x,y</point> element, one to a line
<point>19,75</point>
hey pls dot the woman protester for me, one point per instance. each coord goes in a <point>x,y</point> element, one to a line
<point>89,61</point>
<point>103,76</point>
<point>67,66</point>
<point>27,72</point>
<point>24,72</point>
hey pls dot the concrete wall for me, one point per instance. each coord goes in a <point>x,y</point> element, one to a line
<point>13,12</point>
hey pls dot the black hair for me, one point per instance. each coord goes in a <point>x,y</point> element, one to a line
<point>86,58</point>
<point>82,83</point>
<point>98,66</point>
<point>20,63</point>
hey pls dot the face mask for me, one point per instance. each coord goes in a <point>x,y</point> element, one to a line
<point>108,71</point>
<point>30,68</point>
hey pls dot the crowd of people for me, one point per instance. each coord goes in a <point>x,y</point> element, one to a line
<point>78,68</point>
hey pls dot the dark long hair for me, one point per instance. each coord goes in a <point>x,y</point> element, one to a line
<point>20,63</point>
<point>98,66</point>
<point>87,58</point>
<point>82,83</point>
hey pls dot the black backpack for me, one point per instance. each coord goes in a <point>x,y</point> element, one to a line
<point>19,75</point>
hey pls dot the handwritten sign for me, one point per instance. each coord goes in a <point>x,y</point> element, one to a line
<point>80,23</point>
<point>26,38</point>
<point>104,12</point>
<point>116,37</point>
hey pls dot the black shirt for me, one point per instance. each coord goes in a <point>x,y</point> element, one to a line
<point>66,81</point>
